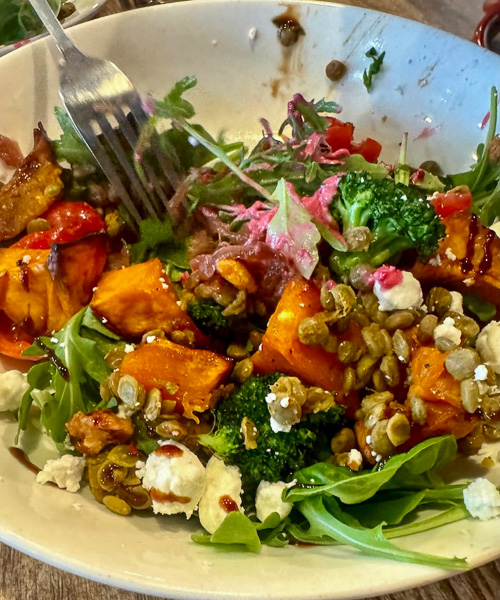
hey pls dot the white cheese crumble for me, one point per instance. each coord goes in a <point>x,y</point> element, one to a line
<point>128,348</point>
<point>176,482</point>
<point>482,499</point>
<point>222,492</point>
<point>404,295</point>
<point>252,33</point>
<point>488,345</point>
<point>284,402</point>
<point>457,302</point>
<point>450,255</point>
<point>271,397</point>
<point>150,339</point>
<point>448,330</point>
<point>26,259</point>
<point>480,373</point>
<point>268,500</point>
<point>66,472</point>
<point>277,427</point>
<point>355,459</point>
<point>435,261</point>
<point>13,386</point>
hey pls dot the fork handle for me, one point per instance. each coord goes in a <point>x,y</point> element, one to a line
<point>53,26</point>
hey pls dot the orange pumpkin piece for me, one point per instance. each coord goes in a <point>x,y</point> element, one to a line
<point>32,189</point>
<point>441,393</point>
<point>197,373</point>
<point>283,351</point>
<point>139,299</point>
<point>41,289</point>
<point>452,250</point>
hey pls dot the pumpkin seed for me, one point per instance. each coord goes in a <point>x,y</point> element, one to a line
<point>116,505</point>
<point>470,395</point>
<point>399,319</point>
<point>379,382</point>
<point>438,300</point>
<point>390,370</point>
<point>374,340</point>
<point>425,328</point>
<point>401,346</point>
<point>461,363</point>
<point>349,380</point>
<point>348,352</point>
<point>398,429</point>
<point>343,441</point>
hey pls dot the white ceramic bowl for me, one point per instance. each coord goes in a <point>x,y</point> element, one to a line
<point>431,82</point>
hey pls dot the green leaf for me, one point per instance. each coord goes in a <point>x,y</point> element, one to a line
<point>70,147</point>
<point>325,523</point>
<point>482,309</point>
<point>374,68</point>
<point>235,532</point>
<point>389,507</point>
<point>157,239</point>
<point>173,105</point>
<point>39,377</point>
<point>92,322</point>
<point>356,162</point>
<point>292,225</point>
<point>417,466</point>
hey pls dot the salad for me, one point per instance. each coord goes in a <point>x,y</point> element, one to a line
<point>295,353</point>
<point>19,20</point>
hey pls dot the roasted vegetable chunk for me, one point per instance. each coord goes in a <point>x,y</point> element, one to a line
<point>32,189</point>
<point>193,374</point>
<point>469,259</point>
<point>93,432</point>
<point>139,299</point>
<point>283,351</point>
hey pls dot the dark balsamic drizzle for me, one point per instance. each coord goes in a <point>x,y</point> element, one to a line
<point>485,263</point>
<point>466,262</point>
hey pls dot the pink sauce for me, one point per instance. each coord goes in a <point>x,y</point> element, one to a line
<point>388,277</point>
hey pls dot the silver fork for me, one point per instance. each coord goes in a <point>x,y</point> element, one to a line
<point>102,103</point>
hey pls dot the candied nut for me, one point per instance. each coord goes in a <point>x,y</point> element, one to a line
<point>250,433</point>
<point>343,441</point>
<point>91,433</point>
<point>398,429</point>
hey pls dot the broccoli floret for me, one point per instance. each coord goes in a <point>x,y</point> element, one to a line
<point>399,217</point>
<point>278,455</point>
<point>208,317</point>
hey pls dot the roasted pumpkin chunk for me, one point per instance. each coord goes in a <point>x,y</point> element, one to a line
<point>139,299</point>
<point>193,374</point>
<point>283,351</point>
<point>468,259</point>
<point>33,188</point>
<point>41,299</point>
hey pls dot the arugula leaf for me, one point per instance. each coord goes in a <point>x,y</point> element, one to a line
<point>69,382</point>
<point>482,309</point>
<point>236,532</point>
<point>356,162</point>
<point>324,521</point>
<point>70,147</point>
<point>158,239</point>
<point>417,466</point>
<point>374,68</point>
<point>173,105</point>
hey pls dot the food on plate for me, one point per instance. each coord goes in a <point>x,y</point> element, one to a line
<point>294,353</point>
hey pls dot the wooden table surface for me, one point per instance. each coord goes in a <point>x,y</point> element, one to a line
<point>24,578</point>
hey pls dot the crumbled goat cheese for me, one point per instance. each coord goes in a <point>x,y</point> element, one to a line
<point>450,255</point>
<point>480,373</point>
<point>125,411</point>
<point>277,427</point>
<point>268,500</point>
<point>435,261</point>
<point>174,477</point>
<point>13,386</point>
<point>128,348</point>
<point>448,330</point>
<point>488,345</point>
<point>469,281</point>
<point>150,339</point>
<point>404,295</point>
<point>354,459</point>
<point>222,493</point>
<point>271,397</point>
<point>457,302</point>
<point>482,499</point>
<point>66,472</point>
<point>284,402</point>
<point>26,259</point>
<point>252,33</point>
